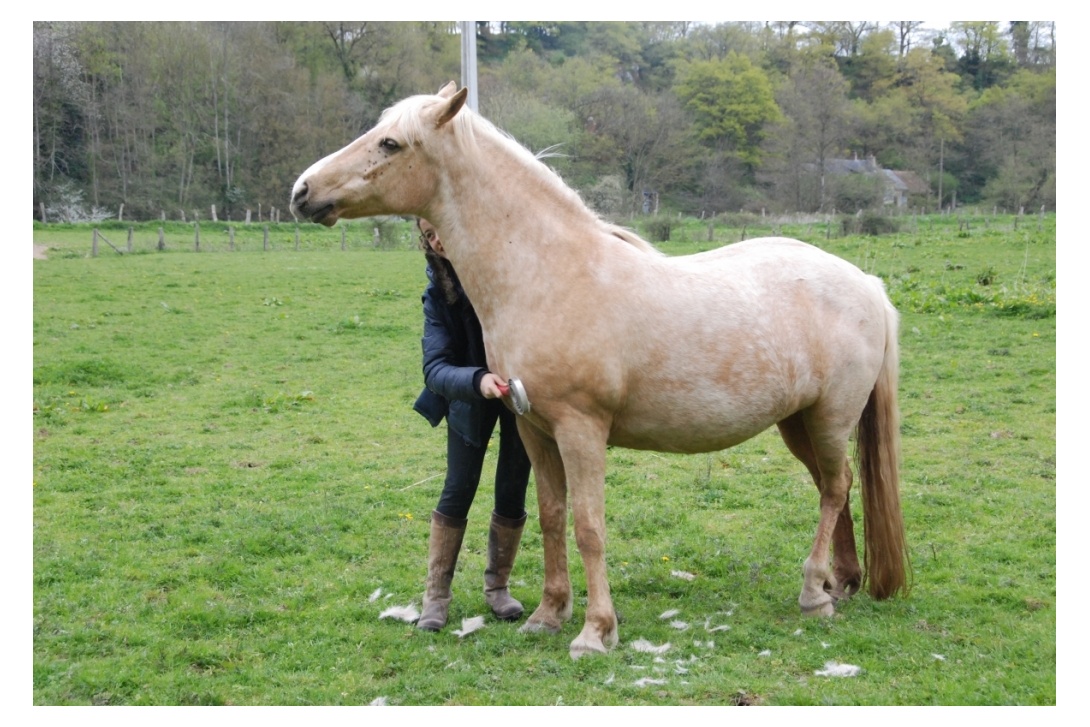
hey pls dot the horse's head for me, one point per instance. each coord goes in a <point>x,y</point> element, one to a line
<point>385,171</point>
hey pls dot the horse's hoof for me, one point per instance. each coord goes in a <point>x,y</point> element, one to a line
<point>536,627</point>
<point>840,594</point>
<point>589,642</point>
<point>848,587</point>
<point>820,610</point>
<point>540,622</point>
<point>582,647</point>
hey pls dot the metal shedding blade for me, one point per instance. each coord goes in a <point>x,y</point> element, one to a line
<point>518,396</point>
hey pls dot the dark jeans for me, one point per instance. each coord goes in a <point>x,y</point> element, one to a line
<point>465,462</point>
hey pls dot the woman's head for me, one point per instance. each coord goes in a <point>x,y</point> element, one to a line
<point>442,271</point>
<point>429,237</point>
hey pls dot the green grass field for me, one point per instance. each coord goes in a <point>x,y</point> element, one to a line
<point>230,486</point>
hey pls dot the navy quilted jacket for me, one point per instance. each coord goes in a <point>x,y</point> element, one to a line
<point>454,363</point>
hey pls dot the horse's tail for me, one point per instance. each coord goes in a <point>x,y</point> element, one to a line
<point>878,450</point>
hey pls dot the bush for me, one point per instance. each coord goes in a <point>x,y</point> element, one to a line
<point>388,233</point>
<point>66,205</point>
<point>869,224</point>
<point>658,229</point>
<point>853,192</point>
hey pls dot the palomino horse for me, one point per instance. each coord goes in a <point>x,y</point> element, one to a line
<point>617,344</point>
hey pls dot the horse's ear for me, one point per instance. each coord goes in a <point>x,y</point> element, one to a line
<point>448,90</point>
<point>452,107</point>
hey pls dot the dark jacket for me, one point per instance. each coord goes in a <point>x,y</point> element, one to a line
<point>454,363</point>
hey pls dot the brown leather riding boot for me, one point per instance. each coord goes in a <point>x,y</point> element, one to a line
<point>443,545</point>
<point>503,543</point>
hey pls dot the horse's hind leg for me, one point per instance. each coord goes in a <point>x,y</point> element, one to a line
<point>833,478</point>
<point>849,575</point>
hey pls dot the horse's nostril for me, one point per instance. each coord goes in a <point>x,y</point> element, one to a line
<point>300,193</point>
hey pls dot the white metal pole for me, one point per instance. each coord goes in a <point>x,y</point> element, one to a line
<point>469,60</point>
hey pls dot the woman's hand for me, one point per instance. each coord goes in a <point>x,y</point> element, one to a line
<point>492,386</point>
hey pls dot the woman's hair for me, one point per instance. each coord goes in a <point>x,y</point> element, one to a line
<point>442,271</point>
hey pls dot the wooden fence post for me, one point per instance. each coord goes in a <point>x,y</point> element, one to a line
<point>162,243</point>
<point>342,237</point>
<point>231,237</point>
<point>196,236</point>
<point>94,242</point>
<point>128,245</point>
<point>266,243</point>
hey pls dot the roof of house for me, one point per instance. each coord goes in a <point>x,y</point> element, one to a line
<point>913,183</point>
<point>902,180</point>
<point>851,166</point>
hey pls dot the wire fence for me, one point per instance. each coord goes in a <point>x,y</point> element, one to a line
<point>395,233</point>
<point>267,237</point>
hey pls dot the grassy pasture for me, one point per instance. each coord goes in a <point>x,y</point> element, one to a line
<point>227,470</point>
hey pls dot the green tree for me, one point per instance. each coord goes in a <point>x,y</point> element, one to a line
<point>845,38</point>
<point>1010,142</point>
<point>905,33</point>
<point>917,115</point>
<point>872,64</point>
<point>643,138</point>
<point>536,124</point>
<point>731,101</point>
<point>815,101</point>
<point>985,54</point>
<point>59,157</point>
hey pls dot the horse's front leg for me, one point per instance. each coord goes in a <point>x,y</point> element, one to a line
<point>583,449</point>
<point>556,598</point>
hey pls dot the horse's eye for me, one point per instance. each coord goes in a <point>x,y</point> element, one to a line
<point>389,144</point>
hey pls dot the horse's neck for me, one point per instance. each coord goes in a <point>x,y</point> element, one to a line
<point>511,232</point>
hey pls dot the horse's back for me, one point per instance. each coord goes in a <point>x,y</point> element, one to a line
<point>782,278</point>
<point>781,250</point>
<point>757,331</point>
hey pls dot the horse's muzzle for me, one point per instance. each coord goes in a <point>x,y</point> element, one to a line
<point>303,207</point>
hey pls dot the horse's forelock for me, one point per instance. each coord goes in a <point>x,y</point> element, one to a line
<point>406,118</point>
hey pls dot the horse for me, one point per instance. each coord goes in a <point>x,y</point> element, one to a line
<point>618,344</point>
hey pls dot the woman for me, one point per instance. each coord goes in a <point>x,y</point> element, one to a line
<point>460,387</point>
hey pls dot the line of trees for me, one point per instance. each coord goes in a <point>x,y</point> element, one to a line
<point>173,118</point>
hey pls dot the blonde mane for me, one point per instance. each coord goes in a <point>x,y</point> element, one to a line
<point>469,126</point>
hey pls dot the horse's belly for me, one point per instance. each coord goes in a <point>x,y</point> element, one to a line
<point>688,426</point>
<point>682,442</point>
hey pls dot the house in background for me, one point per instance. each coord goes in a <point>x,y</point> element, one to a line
<point>897,186</point>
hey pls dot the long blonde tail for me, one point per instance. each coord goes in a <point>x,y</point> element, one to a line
<point>878,450</point>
